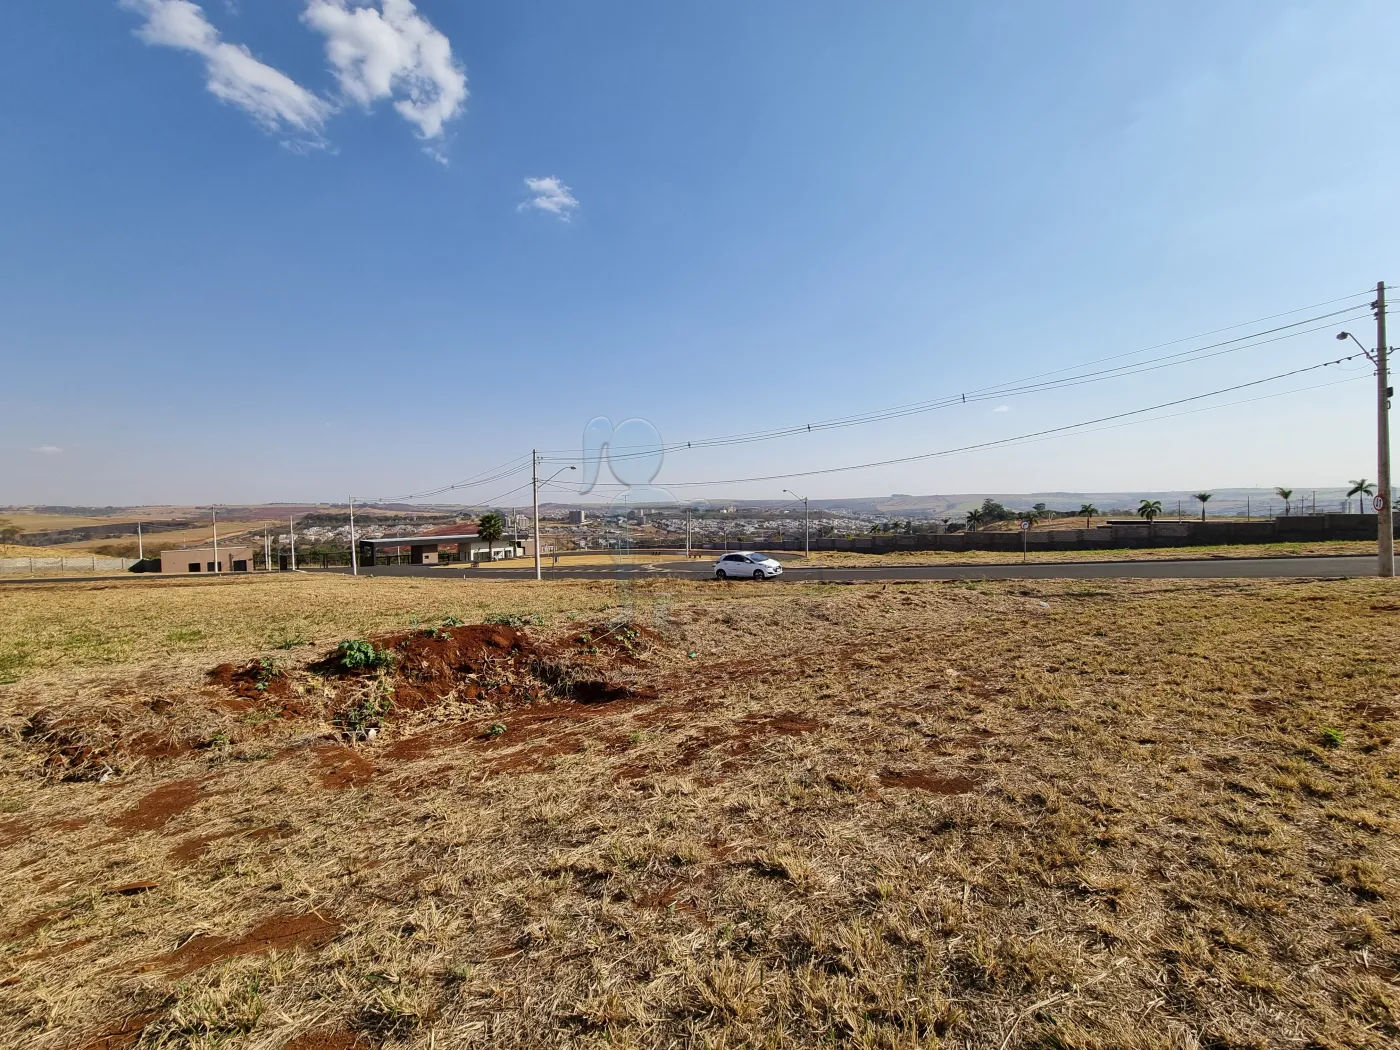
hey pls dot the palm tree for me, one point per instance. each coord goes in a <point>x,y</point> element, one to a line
<point>1363,488</point>
<point>1149,509</point>
<point>1088,510</point>
<point>1286,495</point>
<point>974,519</point>
<point>490,527</point>
<point>1203,497</point>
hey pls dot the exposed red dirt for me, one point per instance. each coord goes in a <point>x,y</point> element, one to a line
<point>123,1034</point>
<point>342,768</point>
<point>187,851</point>
<point>328,1039</point>
<point>160,807</point>
<point>922,780</point>
<point>37,923</point>
<point>475,662</point>
<point>258,683</point>
<point>74,750</point>
<point>747,736</point>
<point>277,933</point>
<point>14,830</point>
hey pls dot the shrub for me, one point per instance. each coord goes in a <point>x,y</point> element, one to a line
<point>356,654</point>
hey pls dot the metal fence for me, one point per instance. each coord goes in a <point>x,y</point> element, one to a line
<point>75,563</point>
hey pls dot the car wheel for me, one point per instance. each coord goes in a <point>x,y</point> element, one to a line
<point>720,574</point>
<point>758,575</point>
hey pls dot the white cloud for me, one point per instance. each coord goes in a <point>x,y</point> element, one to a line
<point>1002,408</point>
<point>270,97</point>
<point>47,450</point>
<point>551,195</point>
<point>391,51</point>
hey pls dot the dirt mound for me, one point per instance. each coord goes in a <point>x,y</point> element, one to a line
<point>74,748</point>
<point>476,662</point>
<point>258,684</point>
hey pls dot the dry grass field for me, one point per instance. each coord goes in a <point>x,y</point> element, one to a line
<point>975,815</point>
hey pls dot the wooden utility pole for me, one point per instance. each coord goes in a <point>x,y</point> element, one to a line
<point>1385,515</point>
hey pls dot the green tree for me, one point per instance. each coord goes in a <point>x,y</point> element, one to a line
<point>1286,495</point>
<point>9,532</point>
<point>1204,497</point>
<point>1149,509</point>
<point>1088,510</point>
<point>491,527</point>
<point>1363,488</point>
<point>974,519</point>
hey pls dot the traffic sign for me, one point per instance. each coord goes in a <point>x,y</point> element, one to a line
<point>1026,524</point>
<point>1378,503</point>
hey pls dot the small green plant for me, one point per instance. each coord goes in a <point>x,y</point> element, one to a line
<point>288,641</point>
<point>453,621</point>
<point>218,742</point>
<point>364,715</point>
<point>514,620</point>
<point>1331,737</point>
<point>495,729</point>
<point>356,655</point>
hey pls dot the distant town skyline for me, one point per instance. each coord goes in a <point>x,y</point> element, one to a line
<point>273,250</point>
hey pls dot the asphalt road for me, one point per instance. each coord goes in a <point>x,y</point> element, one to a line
<point>1185,568</point>
<point>1200,568</point>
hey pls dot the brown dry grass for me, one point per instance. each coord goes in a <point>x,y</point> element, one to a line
<point>976,815</point>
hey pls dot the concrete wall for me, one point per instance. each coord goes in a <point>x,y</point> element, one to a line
<point>179,561</point>
<point>1299,528</point>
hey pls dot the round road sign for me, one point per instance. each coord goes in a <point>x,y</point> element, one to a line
<point>1026,525</point>
<point>1378,503</point>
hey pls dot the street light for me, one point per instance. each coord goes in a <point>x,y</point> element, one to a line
<point>535,484</point>
<point>806,524</point>
<point>1385,527</point>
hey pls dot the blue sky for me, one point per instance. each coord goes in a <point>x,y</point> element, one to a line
<point>329,273</point>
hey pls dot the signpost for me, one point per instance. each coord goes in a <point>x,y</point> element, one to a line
<point>1025,532</point>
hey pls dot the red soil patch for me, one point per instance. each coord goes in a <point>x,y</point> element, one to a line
<point>535,759</point>
<point>257,684</point>
<point>160,807</point>
<point>155,744</point>
<point>12,831</point>
<point>37,923</point>
<point>342,768</point>
<point>74,753</point>
<point>328,1039</point>
<point>57,950</point>
<point>123,1034</point>
<point>749,733</point>
<point>278,933</point>
<point>921,780</point>
<point>191,849</point>
<point>476,662</point>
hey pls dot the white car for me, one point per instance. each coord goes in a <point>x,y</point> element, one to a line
<point>747,565</point>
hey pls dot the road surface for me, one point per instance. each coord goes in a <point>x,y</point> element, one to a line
<point>1183,569</point>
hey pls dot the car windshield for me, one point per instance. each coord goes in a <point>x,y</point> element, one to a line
<point>759,557</point>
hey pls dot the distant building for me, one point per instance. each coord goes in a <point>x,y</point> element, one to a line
<point>425,548</point>
<point>205,559</point>
<point>577,517</point>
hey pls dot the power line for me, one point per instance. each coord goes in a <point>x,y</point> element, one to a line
<point>1011,440</point>
<point>1010,388</point>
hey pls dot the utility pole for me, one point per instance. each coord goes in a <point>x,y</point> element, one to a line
<point>354,554</point>
<point>214,517</point>
<point>140,547</point>
<point>292,537</point>
<point>535,500</point>
<point>806,524</point>
<point>688,516</point>
<point>1385,514</point>
<point>267,549</point>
